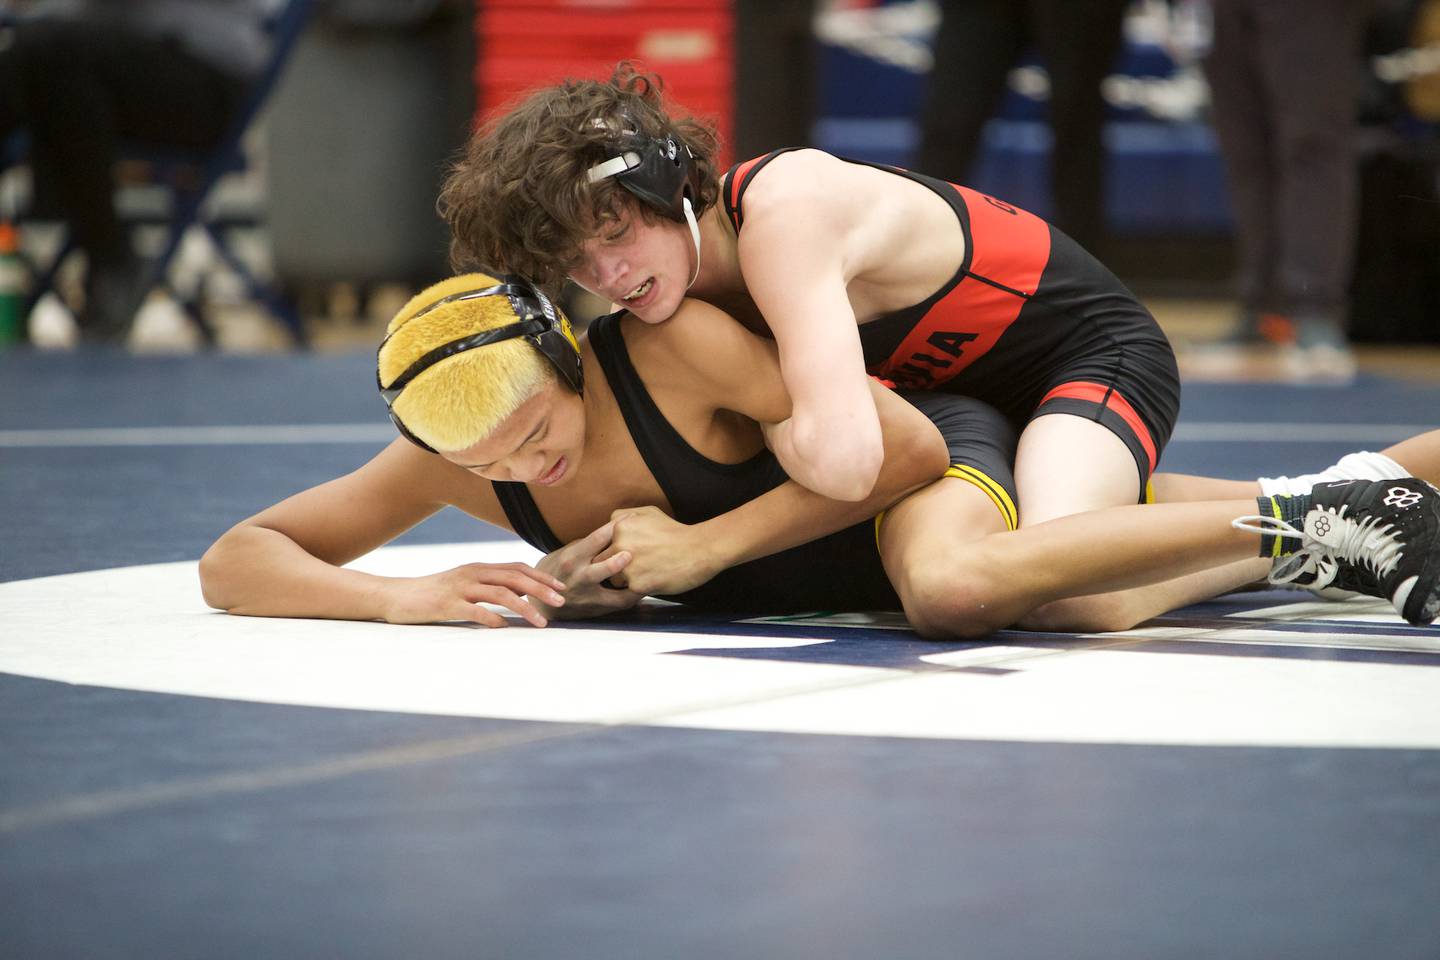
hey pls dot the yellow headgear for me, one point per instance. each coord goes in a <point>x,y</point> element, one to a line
<point>443,393</point>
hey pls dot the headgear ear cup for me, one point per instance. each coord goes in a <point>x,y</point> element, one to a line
<point>660,171</point>
<point>540,322</point>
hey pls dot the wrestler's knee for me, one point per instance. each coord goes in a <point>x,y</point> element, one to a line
<point>944,602</point>
<point>1101,613</point>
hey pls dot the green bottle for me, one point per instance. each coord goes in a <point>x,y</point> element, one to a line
<point>12,287</point>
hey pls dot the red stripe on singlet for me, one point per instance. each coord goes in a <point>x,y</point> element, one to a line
<point>1009,249</point>
<point>737,177</point>
<point>1106,397</point>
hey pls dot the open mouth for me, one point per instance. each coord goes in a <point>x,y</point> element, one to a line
<point>554,473</point>
<point>641,293</point>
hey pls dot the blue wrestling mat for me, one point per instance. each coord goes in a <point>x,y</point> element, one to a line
<point>1253,777</point>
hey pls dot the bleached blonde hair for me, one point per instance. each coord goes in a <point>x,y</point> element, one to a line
<point>462,399</point>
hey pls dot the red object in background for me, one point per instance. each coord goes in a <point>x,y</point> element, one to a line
<point>524,44</point>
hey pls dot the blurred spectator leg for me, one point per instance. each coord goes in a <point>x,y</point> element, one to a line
<point>977,44</point>
<point>72,124</point>
<point>775,76</point>
<point>12,104</point>
<point>1240,113</point>
<point>1079,43</point>
<point>82,89</point>
<point>1311,74</point>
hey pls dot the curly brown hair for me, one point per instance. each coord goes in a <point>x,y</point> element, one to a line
<point>517,199</point>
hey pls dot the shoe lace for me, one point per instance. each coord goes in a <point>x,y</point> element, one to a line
<point>1274,526</point>
<point>1322,570</point>
<point>1372,544</point>
<point>1367,542</point>
<point>1290,568</point>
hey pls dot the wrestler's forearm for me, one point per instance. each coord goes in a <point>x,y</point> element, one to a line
<point>258,572</point>
<point>790,514</point>
<point>785,517</point>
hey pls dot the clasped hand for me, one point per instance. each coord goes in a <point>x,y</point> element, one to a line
<point>584,565</point>
<point>666,556</point>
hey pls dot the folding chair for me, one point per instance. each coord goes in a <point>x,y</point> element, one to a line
<point>188,194</point>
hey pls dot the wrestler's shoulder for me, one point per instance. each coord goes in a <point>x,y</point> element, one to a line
<point>794,176</point>
<point>692,325</point>
<point>697,334</point>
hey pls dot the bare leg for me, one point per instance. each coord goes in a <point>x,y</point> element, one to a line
<point>955,583</point>
<point>1419,455</point>
<point>1123,609</point>
<point>1046,477</point>
<point>919,536</point>
<point>1184,487</point>
<point>1051,487</point>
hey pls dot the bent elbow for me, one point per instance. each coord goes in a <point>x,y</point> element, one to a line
<point>928,457</point>
<point>841,453</point>
<point>213,579</point>
<point>852,476</point>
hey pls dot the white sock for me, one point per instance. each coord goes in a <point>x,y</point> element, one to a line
<point>1364,465</point>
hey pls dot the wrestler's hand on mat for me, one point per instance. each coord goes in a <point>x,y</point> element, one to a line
<point>584,572</point>
<point>458,594</point>
<point>667,556</point>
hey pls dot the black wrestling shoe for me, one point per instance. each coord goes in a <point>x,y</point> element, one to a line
<point>1324,576</point>
<point>1378,537</point>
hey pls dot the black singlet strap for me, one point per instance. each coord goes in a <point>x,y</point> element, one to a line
<point>652,433</point>
<point>524,516</point>
<point>737,181</point>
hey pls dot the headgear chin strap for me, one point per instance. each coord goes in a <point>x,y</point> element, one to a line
<point>662,173</point>
<point>695,236</point>
<point>545,327</point>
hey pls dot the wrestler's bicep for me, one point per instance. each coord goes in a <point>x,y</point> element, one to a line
<point>800,289</point>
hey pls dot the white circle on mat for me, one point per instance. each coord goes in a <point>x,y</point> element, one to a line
<point>146,628</point>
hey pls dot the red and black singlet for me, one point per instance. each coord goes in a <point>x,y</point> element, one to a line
<point>1029,322</point>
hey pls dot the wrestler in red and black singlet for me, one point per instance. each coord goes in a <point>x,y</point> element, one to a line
<point>1029,322</point>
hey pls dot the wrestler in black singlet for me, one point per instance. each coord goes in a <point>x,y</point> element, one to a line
<point>1029,322</point>
<point>838,572</point>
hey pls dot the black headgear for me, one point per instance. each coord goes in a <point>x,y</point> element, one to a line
<point>661,171</point>
<point>539,322</point>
